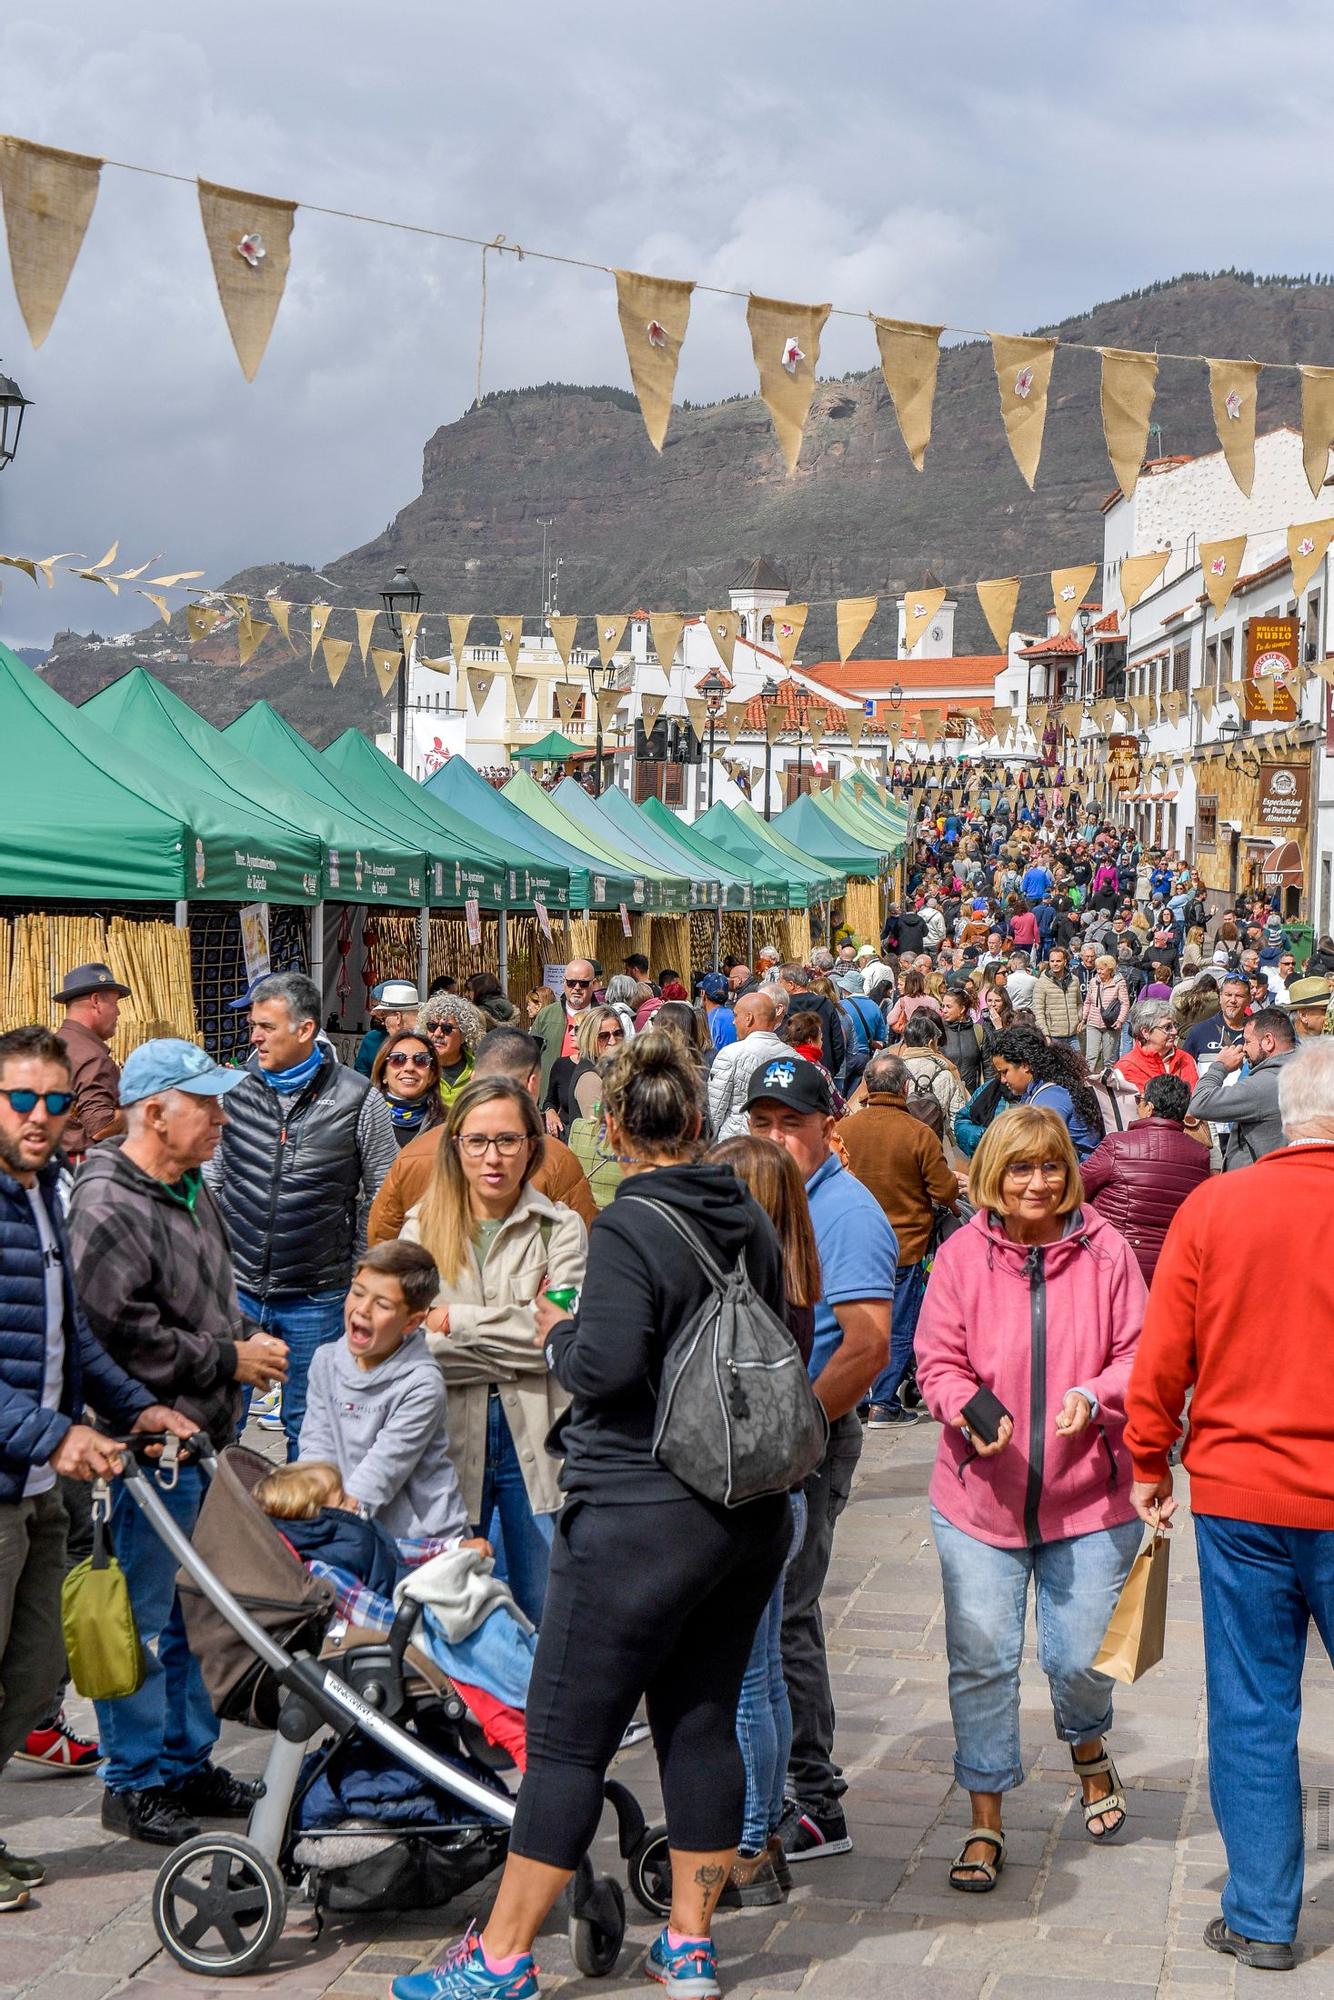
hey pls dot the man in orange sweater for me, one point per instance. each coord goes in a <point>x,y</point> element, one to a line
<point>1239,1291</point>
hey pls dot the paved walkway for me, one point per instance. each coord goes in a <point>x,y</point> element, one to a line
<point>1068,1920</point>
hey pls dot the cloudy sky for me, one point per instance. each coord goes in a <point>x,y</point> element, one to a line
<point>986,165</point>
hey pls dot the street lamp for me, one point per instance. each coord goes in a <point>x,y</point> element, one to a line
<point>801,698</point>
<point>13,403</point>
<point>715,694</point>
<point>401,595</point>
<point>768,695</point>
<point>895,700</point>
<point>594,668</point>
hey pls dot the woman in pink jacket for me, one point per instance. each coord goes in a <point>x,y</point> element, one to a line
<point>1039,1302</point>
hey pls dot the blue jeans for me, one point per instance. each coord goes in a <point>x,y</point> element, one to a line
<point>909,1291</point>
<point>1260,1588</point>
<point>764,1713</point>
<point>306,1322</point>
<point>167,1730</point>
<point>522,1538</point>
<point>1076,1584</point>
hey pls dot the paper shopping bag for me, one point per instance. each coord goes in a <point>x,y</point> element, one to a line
<point>1134,1638</point>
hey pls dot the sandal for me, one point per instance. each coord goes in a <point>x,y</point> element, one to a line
<point>1112,1802</point>
<point>978,1878</point>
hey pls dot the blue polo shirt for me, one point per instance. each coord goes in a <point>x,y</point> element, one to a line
<point>859,1252</point>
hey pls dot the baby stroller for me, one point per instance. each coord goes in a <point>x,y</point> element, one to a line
<point>258,1623</point>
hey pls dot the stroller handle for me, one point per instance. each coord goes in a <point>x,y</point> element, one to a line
<point>194,1450</point>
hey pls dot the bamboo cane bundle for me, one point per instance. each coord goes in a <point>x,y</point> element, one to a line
<point>861,910</point>
<point>794,937</point>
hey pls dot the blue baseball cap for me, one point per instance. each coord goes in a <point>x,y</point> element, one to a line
<point>170,1064</point>
<point>714,987</point>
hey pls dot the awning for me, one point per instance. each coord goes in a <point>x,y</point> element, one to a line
<point>1282,866</point>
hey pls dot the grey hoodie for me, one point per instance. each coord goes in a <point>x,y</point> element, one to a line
<point>384,1428</point>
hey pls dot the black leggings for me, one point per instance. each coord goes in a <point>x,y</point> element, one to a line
<point>661,1600</point>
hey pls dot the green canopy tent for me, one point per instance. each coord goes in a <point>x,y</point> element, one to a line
<point>671,890</point>
<point>861,813</point>
<point>744,886</point>
<point>823,884</point>
<point>553,748</point>
<point>722,827</point>
<point>90,820</point>
<point>814,833</point>
<point>482,805</point>
<point>525,793</point>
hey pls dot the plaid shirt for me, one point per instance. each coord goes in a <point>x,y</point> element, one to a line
<point>357,1604</point>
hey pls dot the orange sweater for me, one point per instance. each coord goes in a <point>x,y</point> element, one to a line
<point>1241,1306</point>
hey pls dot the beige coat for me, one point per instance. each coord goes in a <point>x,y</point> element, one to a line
<point>492,1341</point>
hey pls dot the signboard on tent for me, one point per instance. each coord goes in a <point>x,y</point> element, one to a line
<point>255,941</point>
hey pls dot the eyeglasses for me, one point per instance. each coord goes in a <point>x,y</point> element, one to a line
<point>442,1031</point>
<point>612,1035</point>
<point>476,1145</point>
<point>397,1060</point>
<point>578,982</point>
<point>1024,1170</point>
<point>57,1102</point>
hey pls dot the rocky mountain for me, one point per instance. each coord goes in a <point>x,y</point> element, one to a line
<point>672,531</point>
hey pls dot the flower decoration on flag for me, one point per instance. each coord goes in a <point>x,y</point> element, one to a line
<point>1068,593</point>
<point>252,248</point>
<point>656,333</point>
<point>792,355</point>
<point>919,611</point>
<point>1306,546</point>
<point>1023,382</point>
<point>1232,403</point>
<point>609,631</point>
<point>1218,567</point>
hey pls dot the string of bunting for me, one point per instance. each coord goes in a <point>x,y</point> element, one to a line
<point>49,196</point>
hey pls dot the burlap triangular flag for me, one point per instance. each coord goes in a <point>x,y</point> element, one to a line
<point>1143,707</point>
<point>1263,690</point>
<point>1306,550</point>
<point>480,684</point>
<point>1221,563</point>
<point>386,661</point>
<point>650,708</point>
<point>525,687</point>
<point>249,634</point>
<point>654,314</point>
<point>1072,716</point>
<point>458,622</point>
<point>775,721</point>
<point>698,713</point>
<point>1069,588</point>
<point>611,631</point>
<point>1232,394</point>
<point>49,197</point>
<point>249,240</point>
<point>562,632</point>
<point>1128,381</point>
<point>25,563</point>
<point>200,620</point>
<point>240,605</point>
<point>785,340</point>
<point>815,728</point>
<point>724,630</point>
<point>1204,701</point>
<point>568,697</point>
<point>909,359</point>
<point>854,615</point>
<point>665,629</point>
<point>155,598</point>
<point>365,626</point>
<point>1325,670</point>
<point>789,624</point>
<point>441,665</point>
<point>998,596</point>
<point>855,721</point>
<point>608,702</point>
<point>336,653</point>
<point>511,638</point>
<point>1174,705</point>
<point>932,722</point>
<point>1023,376</point>
<point>1317,424</point>
<point>282,611</point>
<point>1001,721</point>
<point>1139,572</point>
<point>407,625</point>
<point>320,615</point>
<point>919,608</point>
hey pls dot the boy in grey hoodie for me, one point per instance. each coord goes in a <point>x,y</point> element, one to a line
<point>376,1400</point>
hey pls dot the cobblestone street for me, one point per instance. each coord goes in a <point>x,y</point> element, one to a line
<point>1068,1919</point>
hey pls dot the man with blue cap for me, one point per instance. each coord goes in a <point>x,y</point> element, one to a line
<point>154,1273</point>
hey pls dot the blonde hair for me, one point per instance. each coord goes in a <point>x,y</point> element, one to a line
<point>1024,1132</point>
<point>298,1492</point>
<point>445,1217</point>
<point>1105,958</point>
<point>588,1030</point>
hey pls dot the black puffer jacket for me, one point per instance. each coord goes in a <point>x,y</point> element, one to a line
<point>1138,1179</point>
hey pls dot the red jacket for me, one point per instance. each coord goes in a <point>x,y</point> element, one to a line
<point>1138,1179</point>
<point>1241,1305</point>
<point>1140,1065</point>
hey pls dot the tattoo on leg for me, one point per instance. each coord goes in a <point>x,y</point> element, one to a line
<point>710,1875</point>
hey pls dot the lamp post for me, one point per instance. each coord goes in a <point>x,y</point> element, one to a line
<point>608,673</point>
<point>895,700</point>
<point>13,403</point>
<point>768,695</point>
<point>801,699</point>
<point>401,594</point>
<point>714,694</point>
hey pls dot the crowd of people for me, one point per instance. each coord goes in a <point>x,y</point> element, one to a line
<point>984,1168</point>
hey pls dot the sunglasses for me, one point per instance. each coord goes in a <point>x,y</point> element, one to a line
<point>398,1059</point>
<point>578,982</point>
<point>443,1031</point>
<point>57,1102</point>
<point>612,1035</point>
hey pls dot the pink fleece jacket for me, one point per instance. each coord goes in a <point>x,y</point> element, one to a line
<point>1032,1325</point>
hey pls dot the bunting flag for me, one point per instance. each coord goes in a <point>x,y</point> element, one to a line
<point>650,708</point>
<point>568,696</point>
<point>1232,393</point>
<point>789,624</point>
<point>25,563</point>
<point>336,653</point>
<point>1317,424</point>
<point>249,240</point>
<point>665,628</point>
<point>1069,588</point>
<point>785,340</point>
<point>408,622</point>
<point>49,198</point>
<point>1072,717</point>
<point>1174,705</point>
<point>386,661</point>
<point>249,632</point>
<point>562,631</point>
<point>282,612</point>
<point>815,730</point>
<point>608,702</point>
<point>1002,720</point>
<point>1306,549</point>
<point>441,665</point>
<point>854,615</point>
<point>525,687</point>
<point>933,722</point>
<point>1221,563</point>
<point>458,623</point>
<point>480,684</point>
<point>611,631</point>
<point>855,721</point>
<point>734,719</point>
<point>1128,381</point>
<point>998,596</point>
<point>919,608</point>
<point>1325,670</point>
<point>724,630</point>
<point>1263,689</point>
<point>654,315</point>
<point>163,608</point>
<point>320,615</point>
<point>240,605</point>
<point>698,713</point>
<point>1204,701</point>
<point>510,631</point>
<point>1139,572</point>
<point>775,721</point>
<point>1023,376</point>
<point>200,620</point>
<point>365,627</point>
<point>909,360</point>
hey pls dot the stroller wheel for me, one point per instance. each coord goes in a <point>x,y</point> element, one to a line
<point>649,1872</point>
<point>597,1935</point>
<point>219,1905</point>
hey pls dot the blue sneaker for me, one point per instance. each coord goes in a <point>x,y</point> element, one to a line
<point>463,1974</point>
<point>689,1971</point>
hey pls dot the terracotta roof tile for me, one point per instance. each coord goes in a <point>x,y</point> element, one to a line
<point>875,676</point>
<point>1058,644</point>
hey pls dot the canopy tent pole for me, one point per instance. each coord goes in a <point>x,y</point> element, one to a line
<point>717,939</point>
<point>317,948</point>
<point>750,939</point>
<point>502,928</point>
<point>423,949</point>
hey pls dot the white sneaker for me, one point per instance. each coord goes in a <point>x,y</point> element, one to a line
<point>267,1410</point>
